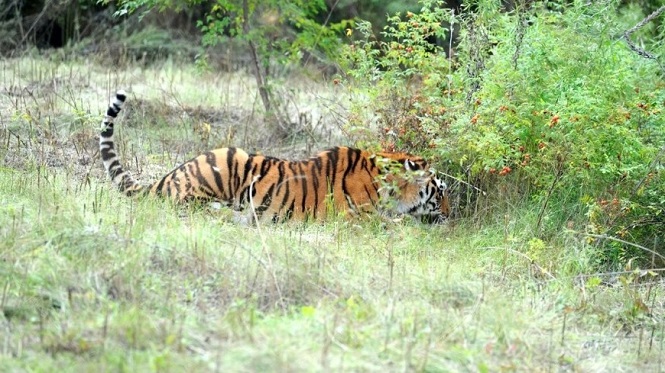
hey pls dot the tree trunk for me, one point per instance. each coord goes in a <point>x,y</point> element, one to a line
<point>260,80</point>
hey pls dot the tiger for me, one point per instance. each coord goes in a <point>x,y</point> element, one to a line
<point>265,188</point>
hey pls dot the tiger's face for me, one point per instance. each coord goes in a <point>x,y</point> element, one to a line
<point>434,198</point>
<point>431,205</point>
<point>421,193</point>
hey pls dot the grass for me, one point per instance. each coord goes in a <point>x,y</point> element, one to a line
<point>94,281</point>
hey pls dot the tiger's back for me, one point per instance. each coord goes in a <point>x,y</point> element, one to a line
<point>278,189</point>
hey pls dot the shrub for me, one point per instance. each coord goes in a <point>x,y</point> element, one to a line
<point>543,106</point>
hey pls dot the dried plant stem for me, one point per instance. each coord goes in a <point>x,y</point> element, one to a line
<point>631,45</point>
<point>269,266</point>
<point>258,75</point>
<point>606,237</point>
<point>558,176</point>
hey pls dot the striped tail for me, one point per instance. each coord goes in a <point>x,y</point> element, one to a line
<point>123,179</point>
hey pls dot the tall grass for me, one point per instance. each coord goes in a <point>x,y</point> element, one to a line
<point>93,279</point>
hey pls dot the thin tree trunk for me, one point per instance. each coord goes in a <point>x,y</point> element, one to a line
<point>260,80</point>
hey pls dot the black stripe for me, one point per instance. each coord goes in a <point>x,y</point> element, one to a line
<point>176,181</point>
<point>189,171</point>
<point>372,161</point>
<point>114,169</point>
<point>370,195</point>
<point>159,188</point>
<point>127,182</point>
<point>267,198</point>
<point>280,172</point>
<point>133,192</point>
<point>265,166</point>
<point>229,164</point>
<point>107,153</point>
<point>368,166</point>
<point>168,187</point>
<point>318,167</point>
<point>253,173</point>
<point>287,194</point>
<point>331,167</point>
<point>211,158</point>
<point>289,212</point>
<point>247,170</point>
<point>413,209</point>
<point>315,186</point>
<point>236,174</point>
<point>304,186</point>
<point>204,186</point>
<point>352,163</point>
<point>107,131</point>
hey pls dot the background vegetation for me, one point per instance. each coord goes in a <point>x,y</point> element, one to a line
<point>539,107</point>
<point>545,118</point>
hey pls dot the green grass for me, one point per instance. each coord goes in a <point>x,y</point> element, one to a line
<point>93,281</point>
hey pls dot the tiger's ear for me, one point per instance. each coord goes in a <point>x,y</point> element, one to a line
<point>410,165</point>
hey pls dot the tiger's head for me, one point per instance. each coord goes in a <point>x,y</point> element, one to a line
<point>433,206</point>
<point>419,192</point>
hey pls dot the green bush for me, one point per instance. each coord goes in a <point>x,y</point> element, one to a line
<point>542,106</point>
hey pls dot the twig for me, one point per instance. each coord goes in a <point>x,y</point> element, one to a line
<point>270,266</point>
<point>653,164</point>
<point>463,182</point>
<point>533,262</point>
<point>252,207</point>
<point>258,75</point>
<point>604,236</point>
<point>47,4</point>
<point>522,23</point>
<point>558,176</point>
<point>450,51</point>
<point>607,274</point>
<point>631,45</point>
<point>318,36</point>
<point>18,138</point>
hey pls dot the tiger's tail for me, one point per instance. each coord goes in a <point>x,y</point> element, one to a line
<point>123,179</point>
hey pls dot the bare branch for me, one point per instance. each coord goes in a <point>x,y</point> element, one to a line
<point>606,237</point>
<point>631,45</point>
<point>650,169</point>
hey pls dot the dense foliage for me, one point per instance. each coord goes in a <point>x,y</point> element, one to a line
<point>547,106</point>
